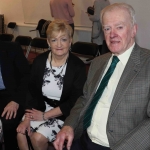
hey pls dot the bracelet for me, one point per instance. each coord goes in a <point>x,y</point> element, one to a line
<point>43,116</point>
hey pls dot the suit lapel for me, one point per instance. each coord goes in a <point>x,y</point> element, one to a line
<point>131,70</point>
<point>94,82</point>
<point>7,70</point>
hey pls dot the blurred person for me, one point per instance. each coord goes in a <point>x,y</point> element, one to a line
<point>97,31</point>
<point>14,76</point>
<point>57,80</point>
<point>63,9</point>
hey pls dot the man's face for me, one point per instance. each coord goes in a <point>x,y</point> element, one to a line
<point>118,30</point>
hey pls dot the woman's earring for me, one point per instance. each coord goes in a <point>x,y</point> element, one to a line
<point>49,48</point>
<point>70,48</point>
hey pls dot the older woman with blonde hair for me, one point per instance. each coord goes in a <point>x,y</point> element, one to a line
<point>56,81</point>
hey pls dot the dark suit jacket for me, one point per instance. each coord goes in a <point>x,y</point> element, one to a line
<point>128,124</point>
<point>15,70</point>
<point>74,80</point>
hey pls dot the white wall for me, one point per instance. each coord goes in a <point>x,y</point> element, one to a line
<point>13,11</point>
<point>142,10</point>
<point>39,9</point>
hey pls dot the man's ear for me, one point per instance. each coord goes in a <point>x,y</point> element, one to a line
<point>134,30</point>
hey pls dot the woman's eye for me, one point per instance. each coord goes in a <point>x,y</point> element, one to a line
<point>64,40</point>
<point>53,40</point>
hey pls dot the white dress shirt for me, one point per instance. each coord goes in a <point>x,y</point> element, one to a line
<point>97,130</point>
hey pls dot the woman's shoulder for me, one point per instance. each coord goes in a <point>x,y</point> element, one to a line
<point>41,58</point>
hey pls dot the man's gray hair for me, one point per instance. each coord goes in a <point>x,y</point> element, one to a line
<point>125,6</point>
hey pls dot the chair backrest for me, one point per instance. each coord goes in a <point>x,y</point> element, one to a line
<point>6,37</point>
<point>42,27</point>
<point>86,51</point>
<point>23,40</point>
<point>40,24</point>
<point>104,48</point>
<point>37,43</point>
<point>85,48</point>
<point>12,26</point>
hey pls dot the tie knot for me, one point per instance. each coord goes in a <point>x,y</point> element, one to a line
<point>115,60</point>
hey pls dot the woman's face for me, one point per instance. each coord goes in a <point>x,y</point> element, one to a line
<point>60,43</point>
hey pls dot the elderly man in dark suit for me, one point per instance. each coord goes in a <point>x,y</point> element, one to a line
<point>14,74</point>
<point>118,86</point>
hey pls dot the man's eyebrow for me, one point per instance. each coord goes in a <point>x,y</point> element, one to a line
<point>120,23</point>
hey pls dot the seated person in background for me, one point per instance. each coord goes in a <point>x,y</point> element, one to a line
<point>57,80</point>
<point>114,112</point>
<point>14,75</point>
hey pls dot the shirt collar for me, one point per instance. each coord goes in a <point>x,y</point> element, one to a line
<point>125,56</point>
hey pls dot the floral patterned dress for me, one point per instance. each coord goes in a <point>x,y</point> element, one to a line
<point>51,88</point>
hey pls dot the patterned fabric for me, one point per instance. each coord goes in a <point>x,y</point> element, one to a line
<point>48,128</point>
<point>129,118</point>
<point>51,88</point>
<point>53,84</point>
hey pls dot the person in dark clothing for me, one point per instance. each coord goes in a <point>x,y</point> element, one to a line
<point>57,79</point>
<point>14,75</point>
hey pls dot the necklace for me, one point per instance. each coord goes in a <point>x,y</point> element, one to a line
<point>61,69</point>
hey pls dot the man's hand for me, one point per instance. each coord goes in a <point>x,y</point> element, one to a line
<point>66,134</point>
<point>10,110</point>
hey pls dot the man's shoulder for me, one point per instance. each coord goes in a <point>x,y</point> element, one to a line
<point>9,46</point>
<point>142,51</point>
<point>103,57</point>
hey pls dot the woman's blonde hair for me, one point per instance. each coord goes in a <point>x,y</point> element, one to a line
<point>58,25</point>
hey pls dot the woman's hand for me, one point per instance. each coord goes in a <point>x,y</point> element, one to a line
<point>23,126</point>
<point>34,115</point>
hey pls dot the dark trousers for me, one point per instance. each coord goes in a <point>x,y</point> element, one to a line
<point>9,125</point>
<point>85,143</point>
